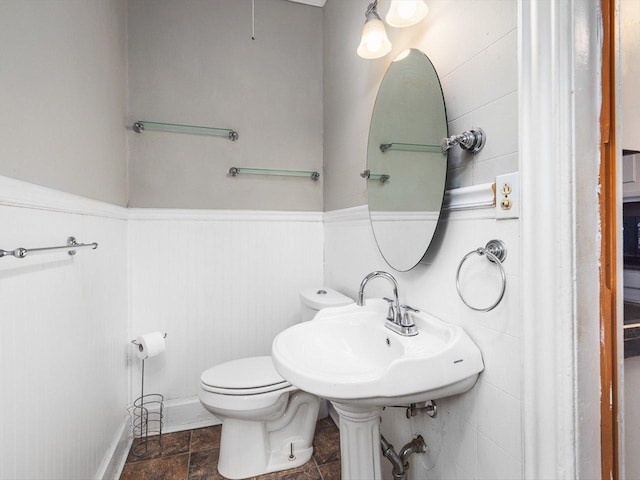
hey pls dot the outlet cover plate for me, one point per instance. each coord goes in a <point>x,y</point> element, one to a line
<point>508,196</point>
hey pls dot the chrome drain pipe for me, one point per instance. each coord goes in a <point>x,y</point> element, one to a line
<point>398,465</point>
<point>400,462</point>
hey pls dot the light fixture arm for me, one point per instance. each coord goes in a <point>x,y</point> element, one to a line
<point>372,11</point>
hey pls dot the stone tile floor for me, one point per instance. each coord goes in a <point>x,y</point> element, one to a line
<point>193,455</point>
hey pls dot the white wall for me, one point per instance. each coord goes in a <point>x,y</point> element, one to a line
<point>63,95</point>
<point>220,284</point>
<point>63,335</point>
<point>478,434</point>
<point>194,62</point>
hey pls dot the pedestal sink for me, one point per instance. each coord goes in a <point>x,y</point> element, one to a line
<point>348,356</point>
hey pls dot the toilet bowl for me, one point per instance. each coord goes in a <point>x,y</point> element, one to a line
<point>267,423</point>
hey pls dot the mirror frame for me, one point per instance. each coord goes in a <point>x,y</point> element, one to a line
<point>418,220</point>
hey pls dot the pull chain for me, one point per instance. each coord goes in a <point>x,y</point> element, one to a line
<point>253,19</point>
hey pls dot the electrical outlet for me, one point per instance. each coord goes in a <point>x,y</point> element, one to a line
<point>508,196</point>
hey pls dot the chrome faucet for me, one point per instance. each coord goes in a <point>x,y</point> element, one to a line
<point>398,318</point>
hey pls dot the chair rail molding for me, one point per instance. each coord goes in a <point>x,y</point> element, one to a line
<point>18,193</point>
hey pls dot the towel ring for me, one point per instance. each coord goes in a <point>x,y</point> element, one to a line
<point>496,252</point>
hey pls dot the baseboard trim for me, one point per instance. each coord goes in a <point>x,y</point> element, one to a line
<point>115,458</point>
<point>179,415</point>
<point>186,414</point>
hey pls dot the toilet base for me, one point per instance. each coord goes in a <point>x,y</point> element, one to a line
<point>249,448</point>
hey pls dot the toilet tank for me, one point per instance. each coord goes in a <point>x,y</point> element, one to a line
<point>314,299</point>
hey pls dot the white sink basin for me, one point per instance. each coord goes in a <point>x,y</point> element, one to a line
<point>347,355</point>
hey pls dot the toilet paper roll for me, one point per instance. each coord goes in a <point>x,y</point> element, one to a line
<point>150,345</point>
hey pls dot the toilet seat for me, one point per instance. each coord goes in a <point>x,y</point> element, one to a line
<point>245,376</point>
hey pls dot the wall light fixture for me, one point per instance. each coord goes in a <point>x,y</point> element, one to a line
<point>404,13</point>
<point>374,42</point>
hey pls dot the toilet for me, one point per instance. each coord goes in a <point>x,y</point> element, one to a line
<point>267,423</point>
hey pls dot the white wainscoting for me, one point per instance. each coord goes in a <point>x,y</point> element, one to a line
<point>63,325</point>
<point>477,434</point>
<point>221,284</point>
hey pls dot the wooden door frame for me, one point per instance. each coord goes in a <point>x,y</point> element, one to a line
<point>609,251</point>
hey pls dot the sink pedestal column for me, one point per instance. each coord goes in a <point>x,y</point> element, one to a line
<point>359,441</point>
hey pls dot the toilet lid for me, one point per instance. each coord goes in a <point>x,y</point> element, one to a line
<point>245,375</point>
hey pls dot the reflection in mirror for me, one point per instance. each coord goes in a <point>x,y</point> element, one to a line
<point>407,170</point>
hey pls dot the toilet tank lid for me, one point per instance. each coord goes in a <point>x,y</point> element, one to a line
<point>323,297</point>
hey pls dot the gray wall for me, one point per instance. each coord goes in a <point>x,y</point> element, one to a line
<point>194,62</point>
<point>350,87</point>
<point>63,95</point>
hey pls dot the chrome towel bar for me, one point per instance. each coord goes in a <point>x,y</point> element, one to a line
<point>71,247</point>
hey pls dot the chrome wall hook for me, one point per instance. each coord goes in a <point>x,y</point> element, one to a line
<point>472,140</point>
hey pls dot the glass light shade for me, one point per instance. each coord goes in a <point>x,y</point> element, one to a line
<point>374,42</point>
<point>404,13</point>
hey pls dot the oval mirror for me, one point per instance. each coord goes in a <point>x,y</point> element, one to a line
<point>406,169</point>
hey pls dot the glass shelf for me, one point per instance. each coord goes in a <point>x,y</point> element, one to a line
<point>235,171</point>
<point>410,147</point>
<point>141,125</point>
<point>381,177</point>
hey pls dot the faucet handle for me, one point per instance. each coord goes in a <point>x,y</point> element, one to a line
<point>391,313</point>
<point>406,320</point>
<point>408,308</point>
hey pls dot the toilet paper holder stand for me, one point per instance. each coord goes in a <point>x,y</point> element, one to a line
<point>147,414</point>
